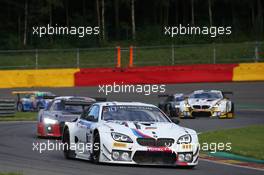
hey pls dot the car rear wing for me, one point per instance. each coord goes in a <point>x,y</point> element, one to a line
<point>19,93</point>
<point>100,99</point>
<point>24,92</point>
<point>226,93</point>
<point>49,96</point>
<point>77,103</point>
<point>164,95</point>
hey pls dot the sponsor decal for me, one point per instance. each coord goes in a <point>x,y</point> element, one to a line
<point>159,149</point>
<point>120,145</point>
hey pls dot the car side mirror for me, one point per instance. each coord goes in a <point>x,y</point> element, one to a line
<point>176,121</point>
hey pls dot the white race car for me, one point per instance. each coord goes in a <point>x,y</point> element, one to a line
<point>208,103</point>
<point>130,133</point>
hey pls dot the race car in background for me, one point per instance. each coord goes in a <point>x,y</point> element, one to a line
<point>208,103</point>
<point>171,105</point>
<point>130,133</point>
<point>32,100</point>
<point>62,109</point>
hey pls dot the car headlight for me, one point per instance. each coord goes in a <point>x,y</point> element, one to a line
<point>121,137</point>
<point>216,105</point>
<point>50,121</point>
<point>185,139</point>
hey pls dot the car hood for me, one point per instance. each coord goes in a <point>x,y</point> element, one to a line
<point>202,101</point>
<point>148,129</point>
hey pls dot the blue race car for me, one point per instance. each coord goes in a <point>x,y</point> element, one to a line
<point>32,100</point>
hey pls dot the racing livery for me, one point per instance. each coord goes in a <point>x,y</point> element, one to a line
<point>208,103</point>
<point>65,108</point>
<point>171,105</point>
<point>32,100</point>
<point>130,133</point>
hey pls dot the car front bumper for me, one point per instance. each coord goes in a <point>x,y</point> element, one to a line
<point>192,113</point>
<point>143,155</point>
<point>49,130</point>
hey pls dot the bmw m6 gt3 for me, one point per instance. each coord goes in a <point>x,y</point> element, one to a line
<point>130,133</point>
<point>208,103</point>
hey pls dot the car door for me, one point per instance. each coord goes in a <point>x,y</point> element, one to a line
<point>84,126</point>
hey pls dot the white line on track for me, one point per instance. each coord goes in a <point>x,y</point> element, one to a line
<point>238,166</point>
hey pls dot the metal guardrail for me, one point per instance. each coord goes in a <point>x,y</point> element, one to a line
<point>142,56</point>
<point>199,54</point>
<point>7,107</point>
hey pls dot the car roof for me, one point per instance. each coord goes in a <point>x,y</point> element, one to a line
<point>200,91</point>
<point>115,103</point>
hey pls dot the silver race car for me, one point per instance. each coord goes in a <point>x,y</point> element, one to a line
<point>62,109</point>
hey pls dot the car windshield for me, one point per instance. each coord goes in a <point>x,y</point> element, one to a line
<point>74,109</point>
<point>207,95</point>
<point>133,113</point>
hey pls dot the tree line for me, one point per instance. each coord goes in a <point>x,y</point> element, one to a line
<point>139,21</point>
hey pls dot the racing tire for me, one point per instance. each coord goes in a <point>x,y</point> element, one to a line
<point>96,152</point>
<point>20,107</point>
<point>38,107</point>
<point>68,153</point>
<point>167,111</point>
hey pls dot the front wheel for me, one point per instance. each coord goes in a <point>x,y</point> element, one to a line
<point>68,153</point>
<point>20,107</point>
<point>96,148</point>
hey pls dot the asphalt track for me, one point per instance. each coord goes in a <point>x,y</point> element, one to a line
<point>16,138</point>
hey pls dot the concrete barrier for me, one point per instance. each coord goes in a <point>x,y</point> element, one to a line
<point>156,75</point>
<point>37,78</point>
<point>249,72</point>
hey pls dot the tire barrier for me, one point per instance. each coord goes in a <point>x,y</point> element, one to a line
<point>7,107</point>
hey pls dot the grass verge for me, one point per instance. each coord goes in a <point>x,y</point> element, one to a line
<point>21,116</point>
<point>247,141</point>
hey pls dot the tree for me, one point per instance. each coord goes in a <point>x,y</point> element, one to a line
<point>116,7</point>
<point>210,12</point>
<point>98,15</point>
<point>25,23</point>
<point>260,17</point>
<point>103,20</point>
<point>133,19</point>
<point>192,6</point>
<point>66,6</point>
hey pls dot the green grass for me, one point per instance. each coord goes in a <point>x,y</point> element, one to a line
<point>247,141</point>
<point>10,173</point>
<point>21,116</point>
<point>143,56</point>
